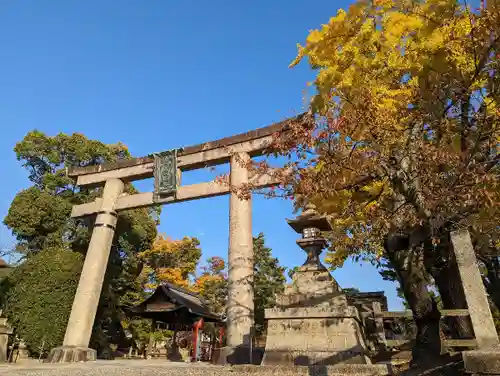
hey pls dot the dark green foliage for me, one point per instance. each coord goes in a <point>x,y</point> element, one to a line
<point>39,218</point>
<point>39,215</point>
<point>38,296</point>
<point>44,156</point>
<point>4,284</point>
<point>269,280</point>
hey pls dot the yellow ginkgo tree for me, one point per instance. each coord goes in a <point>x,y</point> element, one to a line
<point>401,142</point>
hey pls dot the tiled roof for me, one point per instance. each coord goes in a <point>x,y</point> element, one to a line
<point>182,300</point>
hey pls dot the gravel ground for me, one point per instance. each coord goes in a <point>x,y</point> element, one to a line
<point>163,368</point>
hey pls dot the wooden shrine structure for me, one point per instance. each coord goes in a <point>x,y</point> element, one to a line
<point>179,308</point>
<point>167,168</point>
<point>171,304</point>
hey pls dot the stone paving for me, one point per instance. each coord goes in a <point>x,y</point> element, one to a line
<point>164,368</point>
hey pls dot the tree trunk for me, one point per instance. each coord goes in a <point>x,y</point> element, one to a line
<point>408,264</point>
<point>493,275</point>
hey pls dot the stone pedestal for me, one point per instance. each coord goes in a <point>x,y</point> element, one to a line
<point>313,324</point>
<point>71,354</point>
<point>482,362</point>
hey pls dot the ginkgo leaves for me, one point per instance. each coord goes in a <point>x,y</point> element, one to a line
<point>411,89</point>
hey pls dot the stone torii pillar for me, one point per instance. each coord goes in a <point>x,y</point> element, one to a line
<point>166,168</point>
<point>240,305</point>
<point>240,310</point>
<point>77,338</point>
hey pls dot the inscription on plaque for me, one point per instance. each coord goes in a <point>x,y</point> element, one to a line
<point>165,173</point>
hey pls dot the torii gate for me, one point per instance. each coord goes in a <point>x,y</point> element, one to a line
<point>166,168</point>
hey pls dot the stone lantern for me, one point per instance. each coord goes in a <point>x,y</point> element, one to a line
<point>313,323</point>
<point>310,225</point>
<point>312,277</point>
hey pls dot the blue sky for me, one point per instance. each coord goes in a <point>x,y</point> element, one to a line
<point>157,75</point>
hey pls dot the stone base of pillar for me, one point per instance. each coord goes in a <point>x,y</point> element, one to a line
<point>4,338</point>
<point>71,354</point>
<point>237,355</point>
<point>482,362</point>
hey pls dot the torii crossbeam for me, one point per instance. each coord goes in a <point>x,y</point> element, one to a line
<point>167,169</point>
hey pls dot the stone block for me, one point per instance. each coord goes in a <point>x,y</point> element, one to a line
<point>482,362</point>
<point>307,336</point>
<point>71,354</point>
<point>313,324</point>
<point>237,355</point>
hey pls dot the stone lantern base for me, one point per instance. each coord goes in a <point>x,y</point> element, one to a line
<point>312,336</point>
<point>313,324</point>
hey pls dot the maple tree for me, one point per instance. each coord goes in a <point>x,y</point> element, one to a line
<point>170,260</point>
<point>401,142</point>
<point>211,284</point>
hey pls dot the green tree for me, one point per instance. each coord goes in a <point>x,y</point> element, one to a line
<point>37,300</point>
<point>39,218</point>
<point>5,270</point>
<point>269,280</point>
